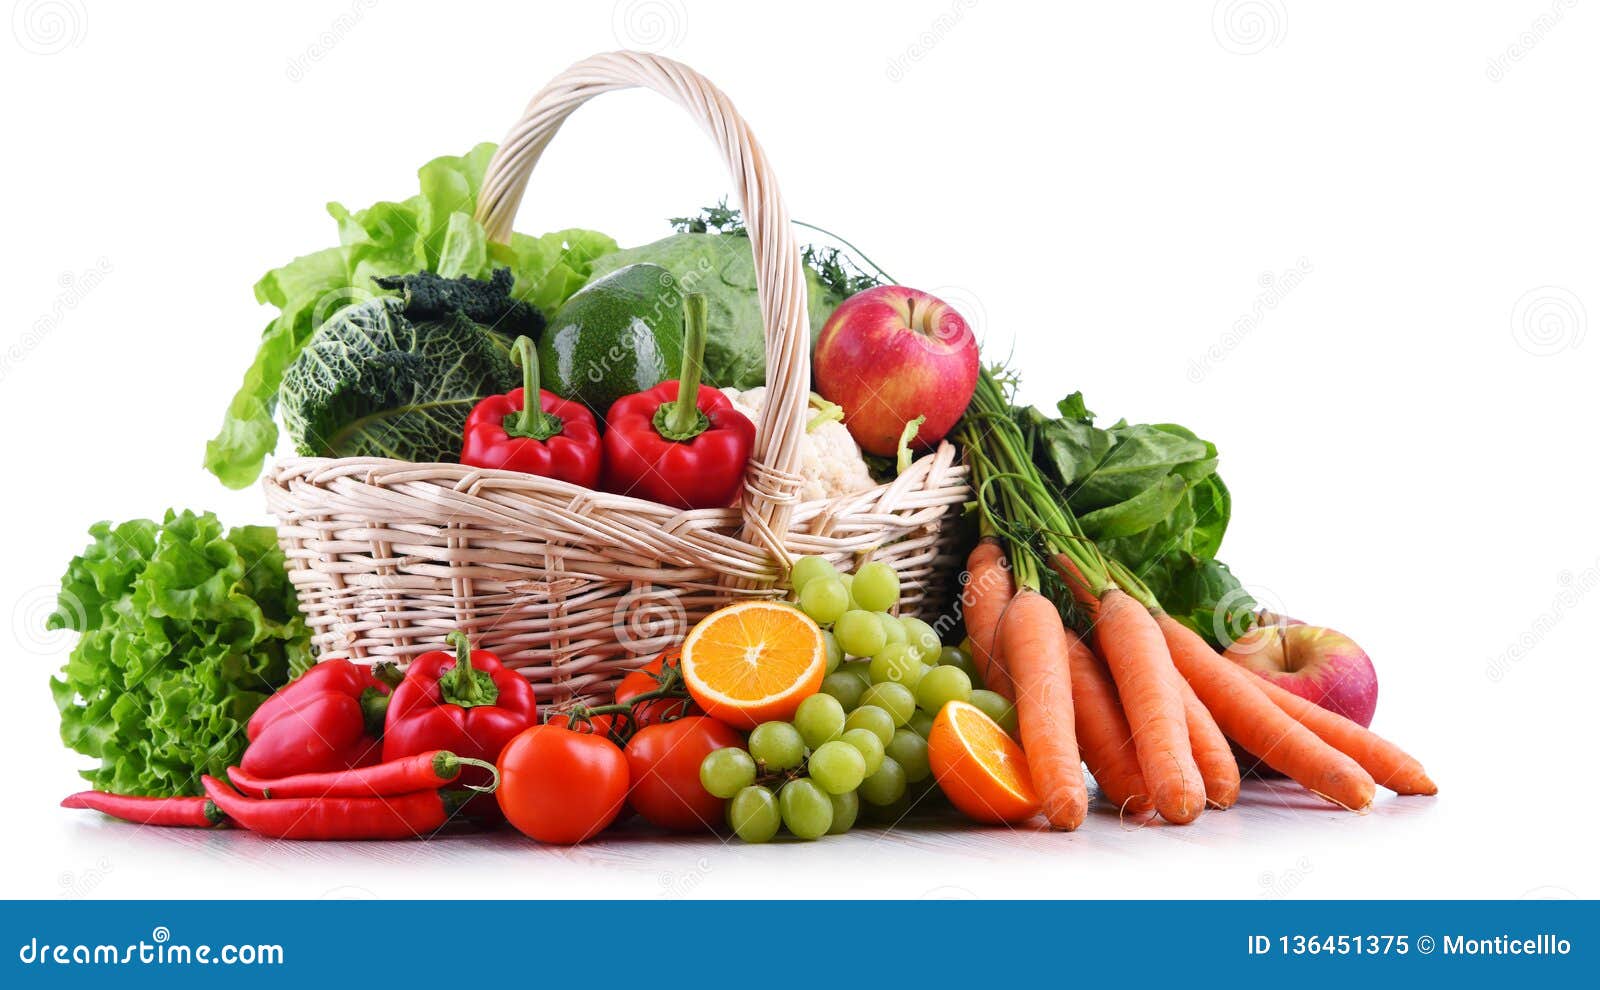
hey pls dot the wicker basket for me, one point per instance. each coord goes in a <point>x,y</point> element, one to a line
<point>572,586</point>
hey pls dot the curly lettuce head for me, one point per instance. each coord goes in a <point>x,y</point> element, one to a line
<point>185,629</point>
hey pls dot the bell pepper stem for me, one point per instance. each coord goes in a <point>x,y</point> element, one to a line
<point>464,686</point>
<point>683,419</point>
<point>531,421</point>
<point>388,673</point>
<point>374,710</point>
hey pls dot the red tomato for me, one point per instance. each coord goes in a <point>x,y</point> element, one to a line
<point>646,679</point>
<point>671,657</point>
<point>664,772</point>
<point>599,725</point>
<point>561,786</point>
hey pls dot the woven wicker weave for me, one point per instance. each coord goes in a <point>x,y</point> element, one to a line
<point>572,586</point>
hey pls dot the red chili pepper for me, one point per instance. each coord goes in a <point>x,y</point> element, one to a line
<point>326,719</point>
<point>424,771</point>
<point>466,702</point>
<point>679,444</point>
<point>558,440</point>
<point>182,812</point>
<point>397,816</point>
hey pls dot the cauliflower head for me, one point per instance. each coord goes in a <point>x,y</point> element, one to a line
<point>830,462</point>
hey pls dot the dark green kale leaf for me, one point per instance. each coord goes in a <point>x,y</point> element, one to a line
<point>428,297</point>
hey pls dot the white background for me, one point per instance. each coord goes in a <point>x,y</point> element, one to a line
<point>1407,429</point>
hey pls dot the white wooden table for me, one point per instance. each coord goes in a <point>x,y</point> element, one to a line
<point>1278,842</point>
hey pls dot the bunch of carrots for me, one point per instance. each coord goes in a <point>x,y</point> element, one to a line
<point>1146,704</point>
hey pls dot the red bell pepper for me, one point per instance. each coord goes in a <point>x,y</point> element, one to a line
<point>466,702</point>
<point>679,444</point>
<point>557,440</point>
<point>326,719</point>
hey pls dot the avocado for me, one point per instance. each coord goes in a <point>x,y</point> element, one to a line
<point>617,335</point>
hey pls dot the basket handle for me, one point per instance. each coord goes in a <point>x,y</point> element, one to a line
<point>771,483</point>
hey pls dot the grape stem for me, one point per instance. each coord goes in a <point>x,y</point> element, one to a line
<point>775,779</point>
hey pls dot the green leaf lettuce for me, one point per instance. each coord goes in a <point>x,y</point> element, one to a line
<point>185,630</point>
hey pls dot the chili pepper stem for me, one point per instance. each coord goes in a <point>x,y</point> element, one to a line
<point>464,686</point>
<point>494,774</point>
<point>682,419</point>
<point>531,422</point>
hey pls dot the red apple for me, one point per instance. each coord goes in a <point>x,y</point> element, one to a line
<point>891,354</point>
<point>1318,664</point>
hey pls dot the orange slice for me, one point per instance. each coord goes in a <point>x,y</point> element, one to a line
<point>754,662</point>
<point>980,769</point>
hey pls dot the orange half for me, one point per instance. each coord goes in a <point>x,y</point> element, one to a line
<point>981,770</point>
<point>754,662</point>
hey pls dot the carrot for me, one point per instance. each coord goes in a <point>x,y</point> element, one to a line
<point>1137,656</point>
<point>1388,764</point>
<point>1035,646</point>
<point>1219,771</point>
<point>1102,730</point>
<point>989,590</point>
<point>1073,578</point>
<point>1212,754</point>
<point>1246,715</point>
